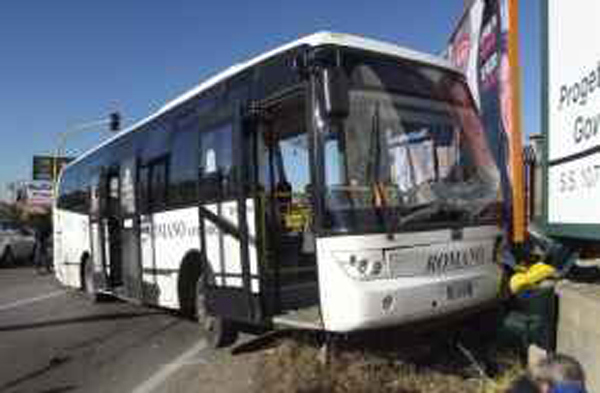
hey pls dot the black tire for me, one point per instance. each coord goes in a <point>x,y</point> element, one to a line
<point>88,286</point>
<point>189,272</point>
<point>31,257</point>
<point>217,331</point>
<point>8,258</point>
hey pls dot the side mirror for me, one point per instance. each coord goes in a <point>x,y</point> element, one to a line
<point>336,100</point>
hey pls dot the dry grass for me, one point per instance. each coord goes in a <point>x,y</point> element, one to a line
<point>509,370</point>
<point>301,366</point>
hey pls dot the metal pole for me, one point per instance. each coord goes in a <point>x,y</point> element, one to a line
<point>516,148</point>
<point>61,144</point>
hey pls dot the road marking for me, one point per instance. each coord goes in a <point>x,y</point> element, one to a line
<point>170,368</point>
<point>24,302</point>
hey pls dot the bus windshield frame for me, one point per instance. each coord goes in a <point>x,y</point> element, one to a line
<point>412,153</point>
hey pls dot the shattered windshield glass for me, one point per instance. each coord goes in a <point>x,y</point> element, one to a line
<point>412,150</point>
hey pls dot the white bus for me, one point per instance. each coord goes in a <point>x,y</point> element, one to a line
<point>336,183</point>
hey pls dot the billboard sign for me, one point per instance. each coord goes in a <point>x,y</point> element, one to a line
<point>476,47</point>
<point>37,193</point>
<point>45,167</point>
<point>483,46</point>
<point>571,116</point>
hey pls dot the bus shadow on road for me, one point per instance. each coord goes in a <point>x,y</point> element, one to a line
<point>78,320</point>
<point>60,389</point>
<point>52,364</point>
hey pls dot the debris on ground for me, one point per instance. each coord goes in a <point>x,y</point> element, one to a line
<point>305,366</point>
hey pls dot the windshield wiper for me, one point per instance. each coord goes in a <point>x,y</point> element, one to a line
<point>374,148</point>
<point>425,211</point>
<point>470,198</point>
<point>374,169</point>
<point>478,208</point>
<point>470,209</point>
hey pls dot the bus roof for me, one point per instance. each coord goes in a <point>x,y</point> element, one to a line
<point>316,39</point>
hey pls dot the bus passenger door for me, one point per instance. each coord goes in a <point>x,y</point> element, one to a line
<point>288,247</point>
<point>129,231</point>
<point>146,238</point>
<point>98,257</point>
<point>111,227</point>
<point>227,224</point>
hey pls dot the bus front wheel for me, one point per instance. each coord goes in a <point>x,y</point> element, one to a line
<point>218,331</point>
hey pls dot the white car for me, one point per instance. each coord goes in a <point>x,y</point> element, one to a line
<point>16,243</point>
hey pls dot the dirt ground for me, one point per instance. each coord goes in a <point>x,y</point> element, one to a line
<point>305,366</point>
<point>216,371</point>
<point>300,367</point>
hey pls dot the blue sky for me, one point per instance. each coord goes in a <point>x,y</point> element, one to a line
<point>67,62</point>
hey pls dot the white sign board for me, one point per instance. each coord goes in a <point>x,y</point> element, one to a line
<point>35,193</point>
<point>573,85</point>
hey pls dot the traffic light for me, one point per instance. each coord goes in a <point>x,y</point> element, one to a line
<point>115,122</point>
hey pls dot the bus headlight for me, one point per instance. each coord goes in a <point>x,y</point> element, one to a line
<point>367,265</point>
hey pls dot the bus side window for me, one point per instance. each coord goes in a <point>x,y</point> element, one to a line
<point>142,189</point>
<point>216,164</point>
<point>183,172</point>
<point>157,184</point>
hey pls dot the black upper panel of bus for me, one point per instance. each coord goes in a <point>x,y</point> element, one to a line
<point>153,140</point>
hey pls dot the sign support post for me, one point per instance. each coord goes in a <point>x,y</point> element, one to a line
<point>62,140</point>
<point>515,136</point>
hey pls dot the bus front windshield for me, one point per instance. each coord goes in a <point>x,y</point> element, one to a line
<point>411,152</point>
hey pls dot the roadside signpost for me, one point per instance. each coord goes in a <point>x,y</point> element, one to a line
<point>485,47</point>
<point>571,118</point>
<point>46,167</point>
<point>571,164</point>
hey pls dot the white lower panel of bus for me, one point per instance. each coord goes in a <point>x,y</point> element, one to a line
<point>71,241</point>
<point>425,275</point>
<point>224,251</point>
<point>165,239</point>
<point>175,234</point>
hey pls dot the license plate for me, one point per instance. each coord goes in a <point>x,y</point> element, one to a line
<point>459,290</point>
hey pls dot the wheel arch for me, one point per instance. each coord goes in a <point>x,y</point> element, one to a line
<point>5,247</point>
<point>190,268</point>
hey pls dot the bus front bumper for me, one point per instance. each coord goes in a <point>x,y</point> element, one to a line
<point>385,303</point>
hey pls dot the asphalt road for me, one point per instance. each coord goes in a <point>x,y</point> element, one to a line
<point>54,340</point>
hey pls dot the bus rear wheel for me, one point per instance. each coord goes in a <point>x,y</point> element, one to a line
<point>8,259</point>
<point>218,332</point>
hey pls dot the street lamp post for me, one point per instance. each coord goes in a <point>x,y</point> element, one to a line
<point>113,121</point>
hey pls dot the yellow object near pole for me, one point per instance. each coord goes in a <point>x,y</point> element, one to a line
<point>531,278</point>
<point>515,139</point>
